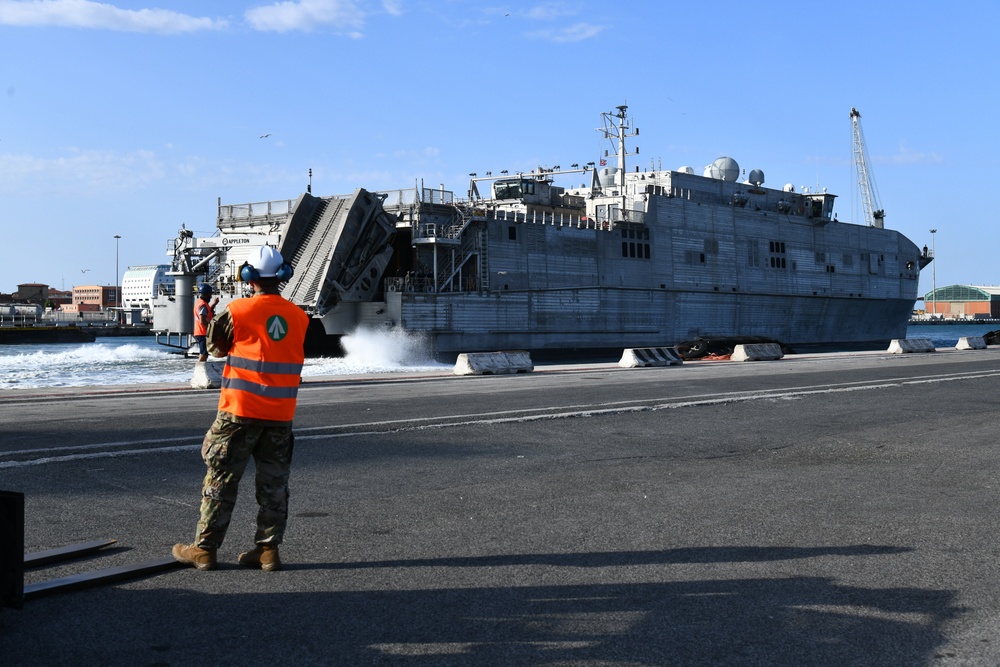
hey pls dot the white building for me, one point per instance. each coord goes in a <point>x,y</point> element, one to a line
<point>140,283</point>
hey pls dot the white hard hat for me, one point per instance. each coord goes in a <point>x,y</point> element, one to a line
<point>266,260</point>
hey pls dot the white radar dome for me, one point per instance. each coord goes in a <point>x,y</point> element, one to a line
<point>788,187</point>
<point>724,168</point>
<point>756,176</point>
<point>685,170</point>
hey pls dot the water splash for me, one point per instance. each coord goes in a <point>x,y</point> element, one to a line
<point>376,351</point>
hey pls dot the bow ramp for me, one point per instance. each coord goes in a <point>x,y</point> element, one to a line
<point>340,248</point>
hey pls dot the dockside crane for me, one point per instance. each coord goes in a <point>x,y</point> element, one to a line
<point>874,214</point>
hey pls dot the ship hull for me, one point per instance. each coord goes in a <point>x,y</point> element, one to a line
<point>612,319</point>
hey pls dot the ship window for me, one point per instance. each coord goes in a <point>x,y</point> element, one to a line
<point>777,259</point>
<point>848,259</point>
<point>636,250</point>
<point>512,233</point>
<point>821,258</point>
<point>830,268</point>
<point>753,254</point>
<point>507,190</point>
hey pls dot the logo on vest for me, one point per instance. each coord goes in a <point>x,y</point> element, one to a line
<point>277,327</point>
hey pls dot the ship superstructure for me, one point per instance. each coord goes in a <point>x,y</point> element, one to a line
<point>631,259</point>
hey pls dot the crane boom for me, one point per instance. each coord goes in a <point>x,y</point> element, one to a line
<point>874,214</point>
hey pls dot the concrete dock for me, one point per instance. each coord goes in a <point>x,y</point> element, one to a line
<point>816,510</point>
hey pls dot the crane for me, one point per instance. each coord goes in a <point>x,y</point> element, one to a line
<point>874,214</point>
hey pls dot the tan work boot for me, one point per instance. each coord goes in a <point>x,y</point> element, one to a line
<point>192,554</point>
<point>264,556</point>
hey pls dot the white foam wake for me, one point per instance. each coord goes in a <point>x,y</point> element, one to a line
<point>376,351</point>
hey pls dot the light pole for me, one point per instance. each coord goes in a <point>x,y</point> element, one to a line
<point>118,288</point>
<point>933,274</point>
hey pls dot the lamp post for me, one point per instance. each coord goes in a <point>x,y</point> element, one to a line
<point>933,275</point>
<point>118,288</point>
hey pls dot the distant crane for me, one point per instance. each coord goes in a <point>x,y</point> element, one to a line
<point>874,214</point>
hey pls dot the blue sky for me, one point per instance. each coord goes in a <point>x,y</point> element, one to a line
<point>132,118</point>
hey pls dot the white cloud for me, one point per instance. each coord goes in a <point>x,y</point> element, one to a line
<point>549,11</point>
<point>99,15</point>
<point>906,155</point>
<point>574,33</point>
<point>308,15</point>
<point>393,7</point>
<point>84,173</point>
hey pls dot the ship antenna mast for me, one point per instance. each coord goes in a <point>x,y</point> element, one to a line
<point>874,214</point>
<point>616,128</point>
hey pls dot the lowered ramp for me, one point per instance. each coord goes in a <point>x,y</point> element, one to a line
<point>339,247</point>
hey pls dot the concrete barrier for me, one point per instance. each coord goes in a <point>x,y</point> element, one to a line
<point>757,352</point>
<point>636,357</point>
<point>905,345</point>
<point>207,374</point>
<point>971,343</point>
<point>493,363</point>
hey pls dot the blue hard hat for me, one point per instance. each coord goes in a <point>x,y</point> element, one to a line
<point>205,289</point>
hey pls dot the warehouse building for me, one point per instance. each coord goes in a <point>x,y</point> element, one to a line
<point>964,302</point>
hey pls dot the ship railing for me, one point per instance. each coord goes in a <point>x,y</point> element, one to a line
<point>435,231</point>
<point>19,320</point>
<point>264,211</point>
<point>399,198</point>
<point>81,317</point>
<point>409,196</point>
<point>411,282</point>
<point>580,221</point>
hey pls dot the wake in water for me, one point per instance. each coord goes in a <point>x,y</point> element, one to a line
<point>89,364</point>
<point>142,361</point>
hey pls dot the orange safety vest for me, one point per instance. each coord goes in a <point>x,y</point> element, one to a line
<point>199,328</point>
<point>263,370</point>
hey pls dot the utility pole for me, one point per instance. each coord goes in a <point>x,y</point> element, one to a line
<point>118,287</point>
<point>933,275</point>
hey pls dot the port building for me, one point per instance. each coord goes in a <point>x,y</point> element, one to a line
<point>141,283</point>
<point>964,302</point>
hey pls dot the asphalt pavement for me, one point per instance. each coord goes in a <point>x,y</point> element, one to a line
<point>818,510</point>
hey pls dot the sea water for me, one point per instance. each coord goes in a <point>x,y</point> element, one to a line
<point>141,360</point>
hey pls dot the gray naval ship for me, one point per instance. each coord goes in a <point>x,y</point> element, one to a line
<point>641,258</point>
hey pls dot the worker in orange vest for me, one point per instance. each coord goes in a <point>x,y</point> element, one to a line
<point>264,338</point>
<point>204,313</point>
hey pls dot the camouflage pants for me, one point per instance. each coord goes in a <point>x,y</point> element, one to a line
<point>227,449</point>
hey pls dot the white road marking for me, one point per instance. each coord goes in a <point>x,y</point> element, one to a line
<point>111,449</point>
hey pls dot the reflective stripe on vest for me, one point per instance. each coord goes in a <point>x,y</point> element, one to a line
<point>260,389</point>
<point>262,374</point>
<point>265,366</point>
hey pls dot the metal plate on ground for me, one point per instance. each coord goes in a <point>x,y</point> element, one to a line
<point>98,577</point>
<point>39,558</point>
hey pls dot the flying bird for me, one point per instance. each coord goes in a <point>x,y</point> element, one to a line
<point>265,136</point>
<point>84,270</point>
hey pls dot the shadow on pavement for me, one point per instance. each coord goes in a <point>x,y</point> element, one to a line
<point>621,558</point>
